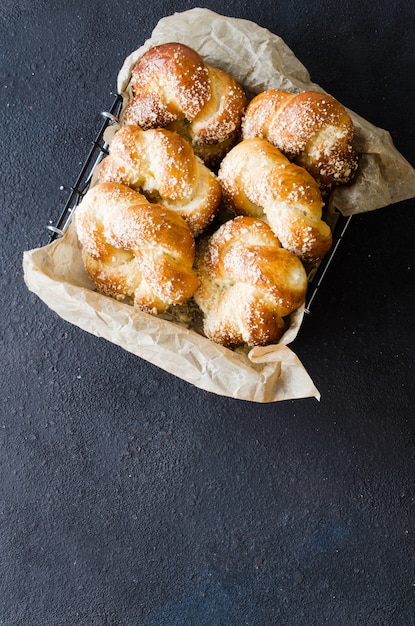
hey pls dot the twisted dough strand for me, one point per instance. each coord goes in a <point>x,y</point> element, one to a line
<point>173,87</point>
<point>162,165</point>
<point>135,249</point>
<point>258,180</point>
<point>311,128</point>
<point>248,284</point>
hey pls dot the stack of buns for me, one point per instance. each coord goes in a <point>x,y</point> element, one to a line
<point>207,198</point>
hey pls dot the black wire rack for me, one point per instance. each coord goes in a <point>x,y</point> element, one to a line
<point>339,231</point>
<point>99,150</point>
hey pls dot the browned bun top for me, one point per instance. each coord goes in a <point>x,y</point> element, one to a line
<point>258,180</point>
<point>134,249</point>
<point>311,128</point>
<point>173,87</point>
<point>248,283</point>
<point>169,81</point>
<point>162,165</point>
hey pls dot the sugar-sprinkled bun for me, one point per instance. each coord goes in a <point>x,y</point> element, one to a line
<point>311,128</point>
<point>134,249</point>
<point>162,165</point>
<point>173,87</point>
<point>248,284</point>
<point>258,180</point>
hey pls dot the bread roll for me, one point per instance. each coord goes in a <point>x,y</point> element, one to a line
<point>258,180</point>
<point>173,87</point>
<point>162,165</point>
<point>248,284</point>
<point>134,249</point>
<point>311,128</point>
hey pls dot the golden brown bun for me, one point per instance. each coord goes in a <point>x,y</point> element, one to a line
<point>162,165</point>
<point>311,128</point>
<point>258,180</point>
<point>135,249</point>
<point>173,87</point>
<point>248,284</point>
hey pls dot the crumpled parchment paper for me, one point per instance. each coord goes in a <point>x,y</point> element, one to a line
<point>259,60</point>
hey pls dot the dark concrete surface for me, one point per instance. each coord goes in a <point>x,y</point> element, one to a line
<point>129,497</point>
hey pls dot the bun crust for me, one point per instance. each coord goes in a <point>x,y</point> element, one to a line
<point>134,249</point>
<point>311,128</point>
<point>173,87</point>
<point>248,284</point>
<point>162,165</point>
<point>258,180</point>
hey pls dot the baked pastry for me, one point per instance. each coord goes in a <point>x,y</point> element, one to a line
<point>134,249</point>
<point>248,284</point>
<point>162,165</point>
<point>172,87</point>
<point>311,128</point>
<point>258,180</point>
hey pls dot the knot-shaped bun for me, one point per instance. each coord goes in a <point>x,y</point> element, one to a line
<point>248,284</point>
<point>172,87</point>
<point>134,249</point>
<point>258,180</point>
<point>162,165</point>
<point>311,128</point>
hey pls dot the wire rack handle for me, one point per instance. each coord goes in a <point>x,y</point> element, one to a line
<point>97,152</point>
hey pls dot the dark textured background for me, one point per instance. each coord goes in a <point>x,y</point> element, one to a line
<point>129,497</point>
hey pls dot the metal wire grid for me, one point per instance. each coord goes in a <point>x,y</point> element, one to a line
<point>98,151</point>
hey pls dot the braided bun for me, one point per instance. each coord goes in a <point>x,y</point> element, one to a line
<point>162,165</point>
<point>173,87</point>
<point>248,284</point>
<point>134,249</point>
<point>311,128</point>
<point>258,180</point>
